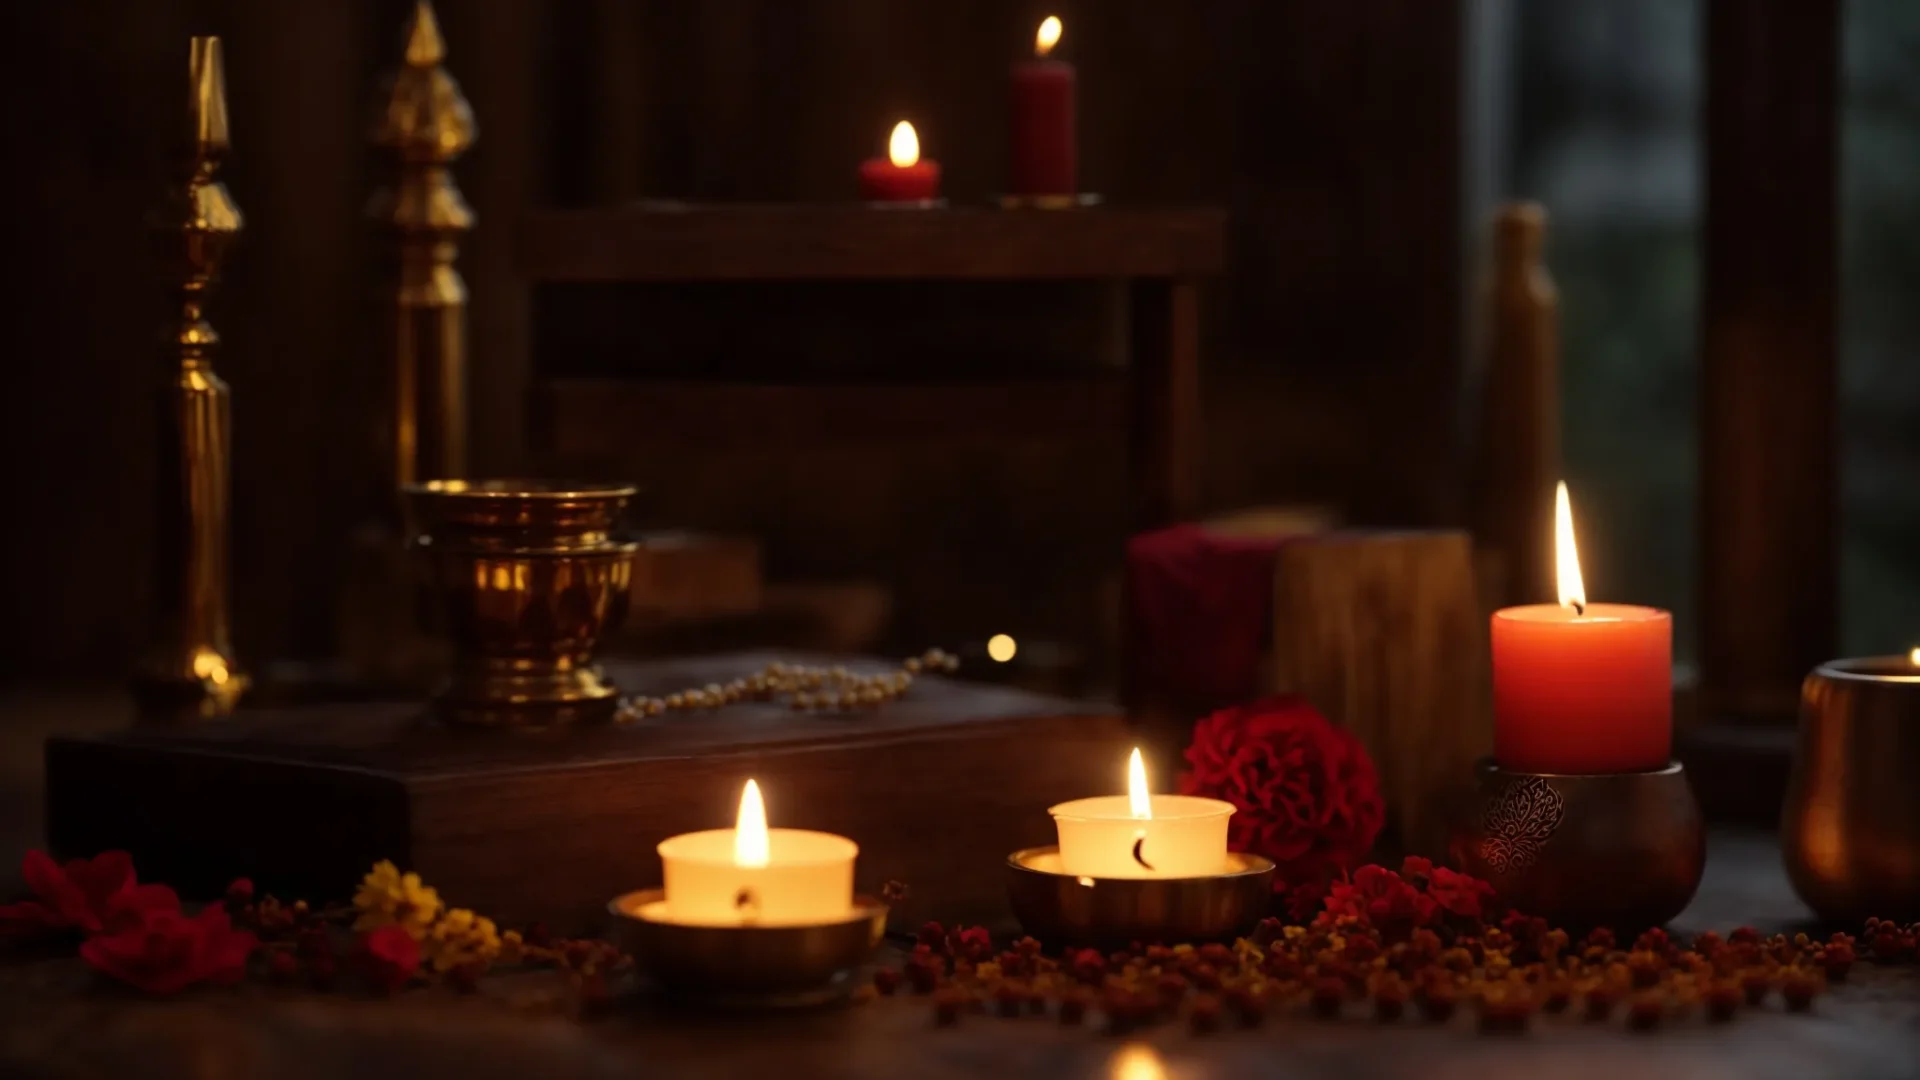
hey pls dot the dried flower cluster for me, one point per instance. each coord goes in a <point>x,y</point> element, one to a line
<point>1392,946</point>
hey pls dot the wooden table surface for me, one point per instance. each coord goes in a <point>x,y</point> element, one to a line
<point>55,1022</point>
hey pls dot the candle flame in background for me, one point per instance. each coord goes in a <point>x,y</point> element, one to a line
<point>750,829</point>
<point>1914,657</point>
<point>1136,1061</point>
<point>1001,647</point>
<point>1139,802</point>
<point>1045,38</point>
<point>903,146</point>
<point>1566,557</point>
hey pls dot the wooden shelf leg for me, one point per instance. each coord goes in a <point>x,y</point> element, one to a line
<point>1165,358</point>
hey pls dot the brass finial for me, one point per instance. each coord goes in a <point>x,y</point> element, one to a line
<point>426,124</point>
<point>192,669</point>
<point>208,105</point>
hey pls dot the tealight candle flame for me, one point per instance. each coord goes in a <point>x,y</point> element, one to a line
<point>1045,38</point>
<point>1566,557</point>
<point>1139,801</point>
<point>903,146</point>
<point>750,829</point>
<point>1914,657</point>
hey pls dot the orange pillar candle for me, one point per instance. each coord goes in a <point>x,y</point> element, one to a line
<point>1581,688</point>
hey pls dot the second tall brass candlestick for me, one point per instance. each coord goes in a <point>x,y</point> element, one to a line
<point>427,124</point>
<point>191,669</point>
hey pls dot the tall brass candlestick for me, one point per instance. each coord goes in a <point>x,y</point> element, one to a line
<point>427,124</point>
<point>192,667</point>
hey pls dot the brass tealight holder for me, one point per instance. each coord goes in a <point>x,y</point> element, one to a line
<point>1850,831</point>
<point>1622,850</point>
<point>1065,909</point>
<point>523,577</point>
<point>747,966</point>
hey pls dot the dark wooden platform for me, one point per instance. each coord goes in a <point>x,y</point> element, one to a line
<point>549,826</point>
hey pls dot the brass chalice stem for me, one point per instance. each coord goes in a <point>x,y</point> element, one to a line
<point>192,668</point>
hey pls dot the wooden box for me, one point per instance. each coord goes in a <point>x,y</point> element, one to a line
<point>937,789</point>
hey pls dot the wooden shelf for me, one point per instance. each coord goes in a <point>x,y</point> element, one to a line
<point>595,417</point>
<point>662,242</point>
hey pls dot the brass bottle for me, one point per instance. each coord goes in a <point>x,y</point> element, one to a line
<point>191,670</point>
<point>1519,461</point>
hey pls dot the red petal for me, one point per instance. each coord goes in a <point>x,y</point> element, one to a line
<point>100,877</point>
<point>27,917</point>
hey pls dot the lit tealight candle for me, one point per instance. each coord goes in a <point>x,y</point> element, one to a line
<point>1141,835</point>
<point>751,874</point>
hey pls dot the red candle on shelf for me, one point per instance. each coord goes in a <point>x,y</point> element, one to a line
<point>902,176</point>
<point>1042,158</point>
<point>1578,687</point>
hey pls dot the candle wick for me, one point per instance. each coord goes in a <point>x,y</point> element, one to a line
<point>1579,607</point>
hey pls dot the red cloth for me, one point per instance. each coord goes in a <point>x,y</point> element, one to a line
<point>1199,616</point>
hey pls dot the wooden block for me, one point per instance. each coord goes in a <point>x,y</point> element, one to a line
<point>549,827</point>
<point>680,575</point>
<point>1383,633</point>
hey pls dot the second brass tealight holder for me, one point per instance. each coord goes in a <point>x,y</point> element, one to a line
<point>523,578</point>
<point>1066,909</point>
<point>1850,831</point>
<point>1623,850</point>
<point>747,966</point>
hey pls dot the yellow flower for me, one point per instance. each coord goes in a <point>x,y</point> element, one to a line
<point>459,938</point>
<point>387,897</point>
<point>513,947</point>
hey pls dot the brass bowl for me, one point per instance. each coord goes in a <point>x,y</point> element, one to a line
<point>1850,829</point>
<point>748,966</point>
<point>522,578</point>
<point>1623,850</point>
<point>1061,909</point>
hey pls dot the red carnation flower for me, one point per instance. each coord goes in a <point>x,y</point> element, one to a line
<point>169,952</point>
<point>1305,792</point>
<point>387,957</point>
<point>1384,899</point>
<point>97,895</point>
<point>1460,894</point>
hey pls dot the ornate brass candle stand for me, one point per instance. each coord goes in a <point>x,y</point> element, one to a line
<point>522,577</point>
<point>1623,850</point>
<point>191,670</point>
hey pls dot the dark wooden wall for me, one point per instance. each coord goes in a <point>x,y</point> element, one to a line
<point>1330,131</point>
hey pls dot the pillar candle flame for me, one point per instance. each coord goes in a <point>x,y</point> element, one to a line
<point>903,146</point>
<point>750,829</point>
<point>1573,591</point>
<point>1914,656</point>
<point>1045,38</point>
<point>1139,800</point>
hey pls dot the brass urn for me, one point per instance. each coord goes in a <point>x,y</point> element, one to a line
<point>522,578</point>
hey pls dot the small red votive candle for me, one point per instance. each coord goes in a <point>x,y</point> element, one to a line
<point>1581,688</point>
<point>902,176</point>
<point>1042,154</point>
